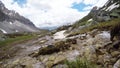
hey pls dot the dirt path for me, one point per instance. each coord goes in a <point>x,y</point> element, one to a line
<point>21,52</point>
<point>24,49</point>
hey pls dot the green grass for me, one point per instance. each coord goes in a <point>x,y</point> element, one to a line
<point>15,40</point>
<point>101,26</point>
<point>80,63</point>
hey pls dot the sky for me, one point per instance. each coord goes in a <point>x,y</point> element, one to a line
<point>53,13</point>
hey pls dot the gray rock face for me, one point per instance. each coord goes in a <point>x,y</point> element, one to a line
<point>11,21</point>
<point>109,11</point>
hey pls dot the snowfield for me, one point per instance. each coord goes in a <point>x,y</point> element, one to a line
<point>3,31</point>
<point>112,7</point>
<point>60,35</point>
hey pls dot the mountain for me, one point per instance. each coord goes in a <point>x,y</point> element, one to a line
<point>109,11</point>
<point>12,22</point>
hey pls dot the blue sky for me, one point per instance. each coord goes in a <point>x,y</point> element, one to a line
<point>80,6</point>
<point>58,12</point>
<point>21,2</point>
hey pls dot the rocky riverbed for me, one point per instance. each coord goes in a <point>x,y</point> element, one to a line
<point>95,46</point>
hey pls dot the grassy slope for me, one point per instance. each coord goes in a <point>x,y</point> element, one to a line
<point>18,39</point>
<point>101,26</point>
<point>82,21</point>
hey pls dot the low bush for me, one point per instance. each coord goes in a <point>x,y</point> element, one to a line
<point>80,63</point>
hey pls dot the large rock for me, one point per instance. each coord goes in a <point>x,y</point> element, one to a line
<point>25,62</point>
<point>115,53</point>
<point>102,38</point>
<point>90,53</point>
<point>117,64</point>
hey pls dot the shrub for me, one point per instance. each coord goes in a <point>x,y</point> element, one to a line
<point>80,63</point>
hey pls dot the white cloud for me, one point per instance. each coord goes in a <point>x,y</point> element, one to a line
<point>90,2</point>
<point>47,13</point>
<point>98,3</point>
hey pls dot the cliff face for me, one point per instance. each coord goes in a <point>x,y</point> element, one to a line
<point>11,21</point>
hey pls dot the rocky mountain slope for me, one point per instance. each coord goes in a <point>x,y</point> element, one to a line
<point>12,22</point>
<point>100,14</point>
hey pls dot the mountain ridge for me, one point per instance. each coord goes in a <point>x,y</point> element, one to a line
<point>12,22</point>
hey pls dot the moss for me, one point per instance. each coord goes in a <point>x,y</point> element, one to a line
<point>58,46</point>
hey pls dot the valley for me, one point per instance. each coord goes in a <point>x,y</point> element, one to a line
<point>91,42</point>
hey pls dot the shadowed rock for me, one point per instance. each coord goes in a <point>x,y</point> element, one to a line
<point>115,31</point>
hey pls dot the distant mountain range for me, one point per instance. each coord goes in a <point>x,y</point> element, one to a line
<point>12,22</point>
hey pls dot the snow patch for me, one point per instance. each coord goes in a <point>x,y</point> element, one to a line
<point>112,7</point>
<point>60,35</point>
<point>90,20</point>
<point>3,31</point>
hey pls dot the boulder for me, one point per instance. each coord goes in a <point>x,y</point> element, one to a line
<point>115,53</point>
<point>117,64</point>
<point>90,53</point>
<point>25,62</point>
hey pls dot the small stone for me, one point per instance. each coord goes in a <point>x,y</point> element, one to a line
<point>110,66</point>
<point>45,60</point>
<point>71,48</point>
<point>59,59</point>
<point>51,58</point>
<point>100,59</point>
<point>60,53</point>
<point>16,62</point>
<point>113,60</point>
<point>49,64</point>
<point>115,53</point>
<point>107,57</point>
